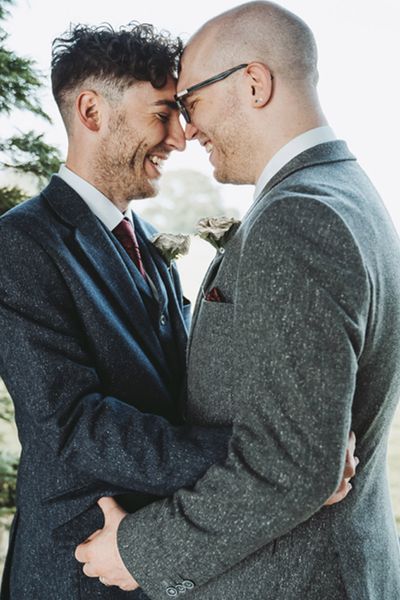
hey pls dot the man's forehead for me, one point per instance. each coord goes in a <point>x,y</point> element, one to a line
<point>190,71</point>
<point>196,62</point>
<point>166,91</point>
<point>165,95</point>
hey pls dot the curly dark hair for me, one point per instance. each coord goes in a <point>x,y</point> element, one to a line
<point>136,52</point>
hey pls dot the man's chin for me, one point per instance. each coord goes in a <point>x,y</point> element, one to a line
<point>222,176</point>
<point>147,191</point>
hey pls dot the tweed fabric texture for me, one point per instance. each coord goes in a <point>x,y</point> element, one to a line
<point>305,347</point>
<point>95,366</point>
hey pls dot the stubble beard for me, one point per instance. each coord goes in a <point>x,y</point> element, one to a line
<point>119,165</point>
<point>225,169</point>
<point>230,167</point>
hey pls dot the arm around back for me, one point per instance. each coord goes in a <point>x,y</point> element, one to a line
<point>300,313</point>
<point>48,367</point>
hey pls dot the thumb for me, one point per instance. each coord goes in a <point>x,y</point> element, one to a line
<point>108,505</point>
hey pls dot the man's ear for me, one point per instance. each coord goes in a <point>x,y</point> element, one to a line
<point>260,84</point>
<point>88,107</point>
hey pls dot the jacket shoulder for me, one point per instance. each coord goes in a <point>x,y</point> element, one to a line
<point>21,215</point>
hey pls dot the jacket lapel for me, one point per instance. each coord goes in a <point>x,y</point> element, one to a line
<point>153,267</point>
<point>318,155</point>
<point>164,283</point>
<point>102,251</point>
<point>321,154</point>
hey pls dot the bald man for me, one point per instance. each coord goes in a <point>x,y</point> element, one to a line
<point>302,345</point>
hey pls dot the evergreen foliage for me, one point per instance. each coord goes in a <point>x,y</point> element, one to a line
<point>22,152</point>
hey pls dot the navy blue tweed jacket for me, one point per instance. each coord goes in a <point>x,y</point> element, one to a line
<point>95,367</point>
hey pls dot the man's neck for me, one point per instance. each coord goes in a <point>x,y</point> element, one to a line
<point>295,146</point>
<point>276,139</point>
<point>83,170</point>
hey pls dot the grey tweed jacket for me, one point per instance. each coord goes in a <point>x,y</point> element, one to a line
<point>305,347</point>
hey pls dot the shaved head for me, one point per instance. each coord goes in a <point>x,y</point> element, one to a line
<point>258,31</point>
<point>267,94</point>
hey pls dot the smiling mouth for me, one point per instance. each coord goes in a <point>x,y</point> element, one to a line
<point>208,146</point>
<point>157,161</point>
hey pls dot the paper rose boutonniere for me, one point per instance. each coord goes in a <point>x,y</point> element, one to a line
<point>217,230</point>
<point>171,245</point>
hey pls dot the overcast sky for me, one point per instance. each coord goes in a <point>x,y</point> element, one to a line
<point>359,52</point>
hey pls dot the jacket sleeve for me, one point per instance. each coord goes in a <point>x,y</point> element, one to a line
<point>51,377</point>
<point>300,316</point>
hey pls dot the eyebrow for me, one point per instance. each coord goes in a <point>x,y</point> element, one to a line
<point>170,103</point>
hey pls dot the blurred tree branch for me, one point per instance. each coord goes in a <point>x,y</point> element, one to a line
<point>23,152</point>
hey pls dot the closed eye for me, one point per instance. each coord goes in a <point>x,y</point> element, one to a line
<point>164,117</point>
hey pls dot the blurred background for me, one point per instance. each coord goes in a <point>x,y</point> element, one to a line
<point>359,87</point>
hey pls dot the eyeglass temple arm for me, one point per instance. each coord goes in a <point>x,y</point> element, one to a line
<point>214,79</point>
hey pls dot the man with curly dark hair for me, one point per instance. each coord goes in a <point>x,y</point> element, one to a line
<point>93,322</point>
<point>115,94</point>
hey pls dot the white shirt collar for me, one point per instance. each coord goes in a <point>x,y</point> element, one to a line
<point>296,146</point>
<point>98,203</point>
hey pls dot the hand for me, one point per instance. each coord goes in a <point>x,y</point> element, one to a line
<point>349,472</point>
<point>100,554</point>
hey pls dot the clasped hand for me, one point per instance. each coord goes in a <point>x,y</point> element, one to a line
<point>100,554</point>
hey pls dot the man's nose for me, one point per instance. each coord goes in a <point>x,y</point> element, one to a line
<point>176,135</point>
<point>191,132</point>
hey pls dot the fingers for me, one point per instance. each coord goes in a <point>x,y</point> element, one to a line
<point>91,537</point>
<point>350,467</point>
<point>351,460</point>
<point>340,494</point>
<point>352,442</point>
<point>82,551</point>
<point>89,570</point>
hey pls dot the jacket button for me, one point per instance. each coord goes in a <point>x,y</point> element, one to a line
<point>163,320</point>
<point>171,591</point>
<point>180,588</point>
<point>189,585</point>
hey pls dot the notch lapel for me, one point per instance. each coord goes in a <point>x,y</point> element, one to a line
<point>102,251</point>
<point>320,154</point>
<point>153,267</point>
<point>164,282</point>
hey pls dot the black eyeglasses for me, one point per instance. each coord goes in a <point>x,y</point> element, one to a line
<point>179,97</point>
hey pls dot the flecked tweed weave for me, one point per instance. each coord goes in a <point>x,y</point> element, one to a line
<point>94,362</point>
<point>305,348</point>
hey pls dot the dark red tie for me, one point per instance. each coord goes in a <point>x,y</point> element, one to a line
<point>125,234</point>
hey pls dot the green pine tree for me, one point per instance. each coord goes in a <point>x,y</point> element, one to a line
<point>24,152</point>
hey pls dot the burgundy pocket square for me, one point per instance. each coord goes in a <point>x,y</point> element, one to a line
<point>214,295</point>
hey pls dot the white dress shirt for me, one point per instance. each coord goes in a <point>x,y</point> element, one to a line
<point>98,203</point>
<point>296,146</point>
